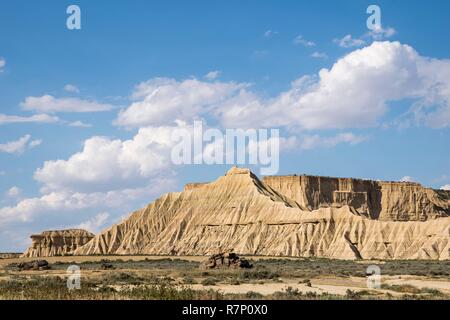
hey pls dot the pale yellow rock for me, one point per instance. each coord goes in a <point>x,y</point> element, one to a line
<point>240,212</point>
<point>383,200</point>
<point>57,242</point>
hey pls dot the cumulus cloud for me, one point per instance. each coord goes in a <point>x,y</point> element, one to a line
<point>446,187</point>
<point>20,145</point>
<point>382,33</point>
<point>108,164</point>
<point>2,63</point>
<point>162,101</point>
<point>50,104</point>
<point>377,34</point>
<point>71,88</point>
<point>354,92</point>
<point>349,42</point>
<point>61,202</point>
<point>212,75</point>
<point>95,224</point>
<point>299,40</point>
<point>37,118</point>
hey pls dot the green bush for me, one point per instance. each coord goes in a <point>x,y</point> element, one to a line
<point>209,281</point>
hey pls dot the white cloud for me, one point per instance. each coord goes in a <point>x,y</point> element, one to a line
<point>71,88</point>
<point>407,179</point>
<point>107,174</point>
<point>2,63</point>
<point>212,75</point>
<point>60,202</point>
<point>355,92</point>
<point>106,164</point>
<point>17,146</point>
<point>382,33</point>
<point>378,34</point>
<point>80,124</point>
<point>50,104</point>
<point>38,118</point>
<point>20,145</point>
<point>270,33</point>
<point>302,41</point>
<point>163,101</point>
<point>349,42</point>
<point>319,55</point>
<point>14,192</point>
<point>446,187</point>
<point>95,224</point>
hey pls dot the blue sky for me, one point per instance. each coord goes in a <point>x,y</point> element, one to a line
<point>48,74</point>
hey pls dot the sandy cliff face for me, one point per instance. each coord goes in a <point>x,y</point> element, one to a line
<point>299,218</point>
<point>57,243</point>
<point>406,202</point>
<point>381,200</point>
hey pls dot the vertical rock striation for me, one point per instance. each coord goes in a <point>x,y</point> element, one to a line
<point>57,243</point>
<point>380,200</point>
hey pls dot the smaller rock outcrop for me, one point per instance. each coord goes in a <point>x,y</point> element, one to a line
<point>34,265</point>
<point>106,265</point>
<point>226,260</point>
<point>57,242</point>
<point>9,255</point>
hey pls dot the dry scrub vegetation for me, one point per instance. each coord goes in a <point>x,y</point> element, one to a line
<point>170,279</point>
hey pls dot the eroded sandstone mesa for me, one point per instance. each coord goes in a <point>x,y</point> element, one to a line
<point>57,242</point>
<point>381,200</point>
<point>287,216</point>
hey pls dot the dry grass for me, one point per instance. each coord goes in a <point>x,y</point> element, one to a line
<point>167,278</point>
